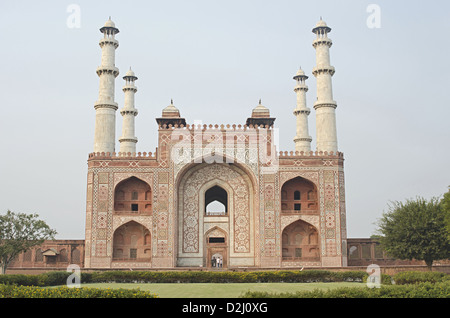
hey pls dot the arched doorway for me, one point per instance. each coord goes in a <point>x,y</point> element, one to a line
<point>230,185</point>
<point>300,242</point>
<point>216,249</point>
<point>132,242</point>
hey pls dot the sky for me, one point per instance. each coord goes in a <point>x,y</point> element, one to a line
<point>216,59</point>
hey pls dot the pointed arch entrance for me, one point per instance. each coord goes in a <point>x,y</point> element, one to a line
<point>216,245</point>
<point>230,185</point>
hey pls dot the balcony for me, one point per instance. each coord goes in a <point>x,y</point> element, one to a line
<point>213,213</point>
<point>119,212</point>
<point>304,212</point>
<point>134,260</point>
<point>300,259</point>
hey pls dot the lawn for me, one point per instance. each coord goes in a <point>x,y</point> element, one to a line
<point>215,290</point>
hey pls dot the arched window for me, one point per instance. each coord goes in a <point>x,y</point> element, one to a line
<point>216,201</point>
<point>63,255</point>
<point>38,257</point>
<point>27,256</point>
<point>76,256</point>
<point>297,195</point>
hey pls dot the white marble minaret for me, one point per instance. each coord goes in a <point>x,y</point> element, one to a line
<point>302,138</point>
<point>326,134</point>
<point>128,140</point>
<point>106,107</point>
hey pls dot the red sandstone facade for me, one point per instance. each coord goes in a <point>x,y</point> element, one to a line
<point>53,254</point>
<point>148,210</point>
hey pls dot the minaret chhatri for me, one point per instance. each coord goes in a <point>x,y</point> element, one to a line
<point>326,134</point>
<point>302,139</point>
<point>105,107</point>
<point>128,140</point>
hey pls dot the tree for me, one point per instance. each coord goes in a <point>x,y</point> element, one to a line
<point>415,230</point>
<point>18,233</point>
<point>445,202</point>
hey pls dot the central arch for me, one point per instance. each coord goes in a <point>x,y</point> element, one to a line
<point>201,184</point>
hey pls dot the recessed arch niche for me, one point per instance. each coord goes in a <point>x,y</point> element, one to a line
<point>299,195</point>
<point>300,241</point>
<point>132,241</point>
<point>133,196</point>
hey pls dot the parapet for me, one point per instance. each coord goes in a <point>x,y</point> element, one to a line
<point>122,155</point>
<point>295,154</point>
<point>215,126</point>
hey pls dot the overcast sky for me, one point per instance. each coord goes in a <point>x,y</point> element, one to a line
<point>216,59</point>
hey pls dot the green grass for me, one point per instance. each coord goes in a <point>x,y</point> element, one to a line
<point>216,290</point>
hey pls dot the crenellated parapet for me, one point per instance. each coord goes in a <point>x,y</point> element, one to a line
<point>122,155</point>
<point>223,127</point>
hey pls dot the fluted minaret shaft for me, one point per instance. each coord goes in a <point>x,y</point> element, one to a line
<point>106,107</point>
<point>302,139</point>
<point>326,132</point>
<point>128,140</point>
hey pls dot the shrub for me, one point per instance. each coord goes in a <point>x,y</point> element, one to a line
<point>53,278</point>
<point>19,279</point>
<point>286,276</point>
<point>420,290</point>
<point>13,291</point>
<point>413,277</point>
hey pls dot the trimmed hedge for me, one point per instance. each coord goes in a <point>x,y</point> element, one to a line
<point>13,291</point>
<point>413,277</point>
<point>225,277</point>
<point>286,276</point>
<point>420,290</point>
